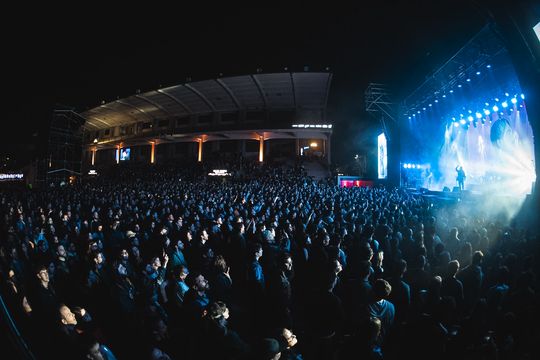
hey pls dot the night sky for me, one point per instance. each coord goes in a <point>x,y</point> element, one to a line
<point>79,57</point>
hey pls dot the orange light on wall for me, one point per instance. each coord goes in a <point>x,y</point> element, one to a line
<point>94,156</point>
<point>261,148</point>
<point>152,152</point>
<point>199,157</point>
<point>313,144</point>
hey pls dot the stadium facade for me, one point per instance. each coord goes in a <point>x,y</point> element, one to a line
<point>260,115</point>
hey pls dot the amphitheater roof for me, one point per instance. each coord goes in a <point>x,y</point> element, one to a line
<point>258,92</point>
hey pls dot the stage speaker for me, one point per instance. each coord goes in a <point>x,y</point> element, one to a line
<point>446,188</point>
<point>455,189</point>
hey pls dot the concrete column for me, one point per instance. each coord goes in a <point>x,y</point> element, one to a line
<point>328,147</point>
<point>267,148</point>
<point>215,146</point>
<point>243,147</point>
<point>261,148</point>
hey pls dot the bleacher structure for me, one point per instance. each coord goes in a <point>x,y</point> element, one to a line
<point>260,115</point>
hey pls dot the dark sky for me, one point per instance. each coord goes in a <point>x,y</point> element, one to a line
<point>78,57</point>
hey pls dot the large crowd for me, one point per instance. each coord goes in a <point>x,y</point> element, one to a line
<point>169,263</point>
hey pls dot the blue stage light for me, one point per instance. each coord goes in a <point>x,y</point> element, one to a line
<point>436,100</point>
<point>413,166</point>
<point>459,85</point>
<point>414,115</point>
<point>478,115</point>
<point>419,111</point>
<point>487,104</point>
<point>410,118</point>
<point>453,118</point>
<point>486,112</point>
<point>523,96</point>
<point>424,109</point>
<point>404,166</point>
<point>488,66</point>
<point>456,124</point>
<point>470,118</point>
<point>468,80</point>
<point>495,108</point>
<point>504,104</point>
<point>462,121</point>
<point>430,105</point>
<point>470,111</point>
<point>451,91</point>
<point>514,100</point>
<point>444,95</point>
<point>478,73</point>
<point>506,94</point>
<point>496,99</point>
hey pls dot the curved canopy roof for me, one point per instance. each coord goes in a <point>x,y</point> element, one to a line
<point>277,91</point>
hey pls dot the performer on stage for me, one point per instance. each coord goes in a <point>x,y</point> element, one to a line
<point>460,177</point>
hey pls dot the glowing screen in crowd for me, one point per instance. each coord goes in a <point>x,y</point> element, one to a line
<point>11,177</point>
<point>382,156</point>
<point>124,154</point>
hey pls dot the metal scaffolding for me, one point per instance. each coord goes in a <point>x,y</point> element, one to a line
<point>470,61</point>
<point>64,147</point>
<point>379,104</point>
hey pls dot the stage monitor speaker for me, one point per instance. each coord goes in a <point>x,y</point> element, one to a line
<point>455,189</point>
<point>446,188</point>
